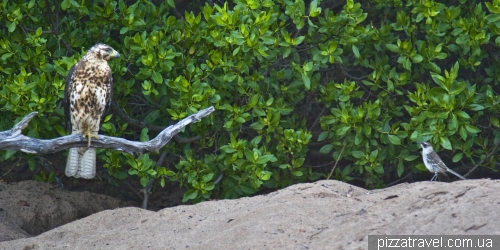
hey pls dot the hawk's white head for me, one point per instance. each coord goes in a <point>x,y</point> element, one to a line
<point>100,52</point>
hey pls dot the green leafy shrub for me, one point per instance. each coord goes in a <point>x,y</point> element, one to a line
<point>359,83</point>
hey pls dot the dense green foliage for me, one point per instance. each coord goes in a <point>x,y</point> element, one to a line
<point>360,83</point>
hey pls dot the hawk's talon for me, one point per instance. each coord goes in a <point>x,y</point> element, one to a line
<point>89,135</point>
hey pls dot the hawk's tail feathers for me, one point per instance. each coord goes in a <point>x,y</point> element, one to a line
<point>72,162</point>
<point>87,164</point>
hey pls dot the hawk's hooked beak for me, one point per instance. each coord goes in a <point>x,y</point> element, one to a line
<point>115,54</point>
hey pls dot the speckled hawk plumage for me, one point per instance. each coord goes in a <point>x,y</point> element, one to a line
<point>87,97</point>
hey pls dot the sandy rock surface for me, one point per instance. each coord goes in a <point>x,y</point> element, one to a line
<point>31,208</point>
<point>320,215</point>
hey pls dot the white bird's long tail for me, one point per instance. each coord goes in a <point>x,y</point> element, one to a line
<point>456,174</point>
<point>81,163</point>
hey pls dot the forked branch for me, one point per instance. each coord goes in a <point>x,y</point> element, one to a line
<point>13,139</point>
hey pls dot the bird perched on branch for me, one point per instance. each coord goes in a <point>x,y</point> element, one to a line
<point>433,162</point>
<point>87,97</point>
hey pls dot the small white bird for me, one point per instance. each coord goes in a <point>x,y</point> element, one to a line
<point>434,163</point>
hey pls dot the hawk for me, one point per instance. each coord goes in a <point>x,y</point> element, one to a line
<point>87,97</point>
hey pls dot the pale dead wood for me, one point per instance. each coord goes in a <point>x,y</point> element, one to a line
<point>13,139</point>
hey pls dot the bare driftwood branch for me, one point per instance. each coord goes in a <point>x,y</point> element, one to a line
<point>13,139</point>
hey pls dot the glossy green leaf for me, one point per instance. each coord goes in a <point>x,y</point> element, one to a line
<point>326,149</point>
<point>355,50</point>
<point>394,139</point>
<point>357,154</point>
<point>472,129</point>
<point>445,142</point>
